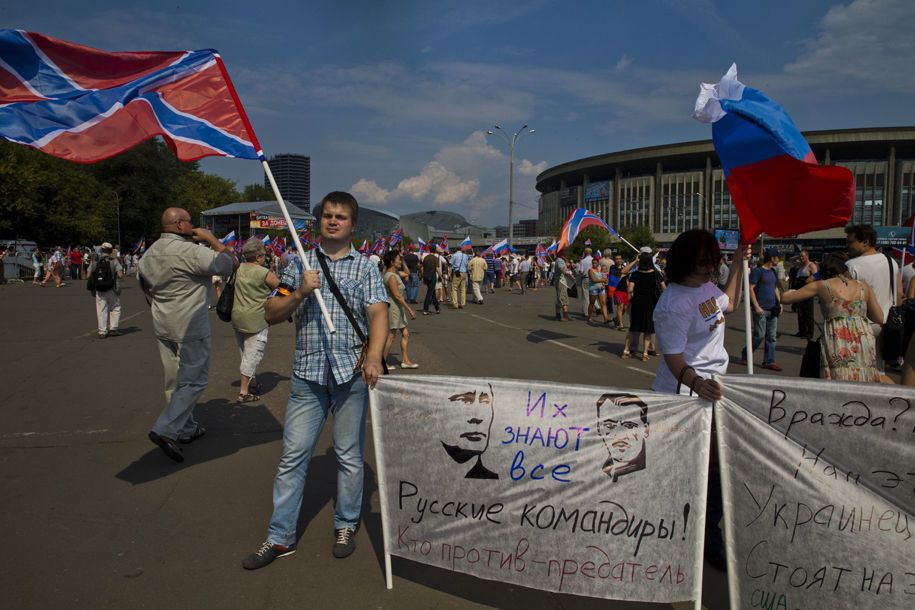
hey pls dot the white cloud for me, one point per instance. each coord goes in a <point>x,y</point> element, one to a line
<point>866,43</point>
<point>470,177</point>
<point>624,62</point>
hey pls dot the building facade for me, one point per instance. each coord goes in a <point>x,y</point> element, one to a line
<point>293,175</point>
<point>676,187</point>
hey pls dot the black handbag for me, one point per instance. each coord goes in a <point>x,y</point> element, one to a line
<point>572,291</point>
<point>226,300</point>
<point>892,337</point>
<point>810,363</point>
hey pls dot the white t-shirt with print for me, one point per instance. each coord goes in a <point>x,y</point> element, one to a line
<point>690,321</point>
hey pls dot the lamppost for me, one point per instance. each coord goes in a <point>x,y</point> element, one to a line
<point>117,201</point>
<point>702,209</point>
<point>511,169</point>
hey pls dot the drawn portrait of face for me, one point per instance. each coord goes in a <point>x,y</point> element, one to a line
<point>624,432</point>
<point>469,439</point>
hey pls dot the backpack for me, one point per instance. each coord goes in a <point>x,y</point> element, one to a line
<point>102,278</point>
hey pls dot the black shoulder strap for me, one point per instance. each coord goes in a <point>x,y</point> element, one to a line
<point>332,284</point>
<point>889,263</point>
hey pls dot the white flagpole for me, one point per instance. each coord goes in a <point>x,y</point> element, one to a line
<point>298,245</point>
<point>748,319</point>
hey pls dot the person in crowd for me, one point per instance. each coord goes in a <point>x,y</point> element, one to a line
<point>908,362</point>
<point>444,277</point>
<point>176,273</point>
<point>489,277</point>
<point>621,270</point>
<point>584,266</point>
<point>399,310</point>
<point>253,284</point>
<point>645,287</point>
<point>564,279</point>
<point>597,291</point>
<point>54,267</point>
<point>499,268</point>
<point>37,262</point>
<point>765,297</point>
<point>459,261</point>
<point>690,324</point>
<point>330,375</point>
<point>476,270</point>
<point>848,348</point>
<point>524,272</point>
<point>4,252</point>
<point>411,260</point>
<point>878,271</point>
<point>723,272</point>
<point>108,300</point>
<point>806,273</point>
<point>908,272</point>
<point>76,263</point>
<point>432,272</point>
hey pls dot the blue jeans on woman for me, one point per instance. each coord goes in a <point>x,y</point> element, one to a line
<point>412,287</point>
<point>764,326</point>
<point>307,409</point>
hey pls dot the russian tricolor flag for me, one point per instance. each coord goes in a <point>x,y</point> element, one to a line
<point>229,239</point>
<point>466,245</point>
<point>776,184</point>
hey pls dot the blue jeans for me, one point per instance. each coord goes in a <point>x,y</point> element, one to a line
<point>306,411</point>
<point>413,287</point>
<point>766,326</point>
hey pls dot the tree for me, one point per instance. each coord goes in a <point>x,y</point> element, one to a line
<point>639,236</point>
<point>257,192</point>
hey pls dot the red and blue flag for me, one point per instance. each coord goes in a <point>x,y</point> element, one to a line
<point>422,244</point>
<point>776,184</point>
<point>396,237</point>
<point>364,248</point>
<point>83,104</point>
<point>501,247</point>
<point>229,240</point>
<point>466,245</point>
<point>444,244</point>
<point>379,246</point>
<point>579,219</point>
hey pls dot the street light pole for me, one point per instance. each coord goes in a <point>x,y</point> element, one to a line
<point>511,171</point>
<point>117,201</point>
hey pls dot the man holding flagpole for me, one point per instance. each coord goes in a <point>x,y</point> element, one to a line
<point>329,375</point>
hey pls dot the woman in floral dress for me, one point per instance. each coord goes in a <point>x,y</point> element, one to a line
<point>848,348</point>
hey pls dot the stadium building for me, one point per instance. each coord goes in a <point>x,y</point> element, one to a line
<point>675,187</point>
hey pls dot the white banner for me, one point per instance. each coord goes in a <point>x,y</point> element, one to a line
<point>586,490</point>
<point>818,482</point>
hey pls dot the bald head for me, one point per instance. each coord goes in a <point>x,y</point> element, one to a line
<point>172,216</point>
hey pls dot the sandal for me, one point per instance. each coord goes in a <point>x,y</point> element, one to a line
<point>644,357</point>
<point>625,355</point>
<point>248,398</point>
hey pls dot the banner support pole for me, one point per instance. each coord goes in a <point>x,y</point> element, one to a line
<point>298,245</point>
<point>748,318</point>
<point>382,489</point>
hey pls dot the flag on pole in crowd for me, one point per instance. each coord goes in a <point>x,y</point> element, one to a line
<point>139,247</point>
<point>540,252</point>
<point>597,253</point>
<point>501,247</point>
<point>83,104</point>
<point>613,281</point>
<point>228,240</point>
<point>364,248</point>
<point>396,237</point>
<point>552,248</point>
<point>444,244</point>
<point>488,253</point>
<point>579,219</point>
<point>422,244</point>
<point>379,246</point>
<point>466,245</point>
<point>266,240</point>
<point>774,179</point>
<point>587,242</point>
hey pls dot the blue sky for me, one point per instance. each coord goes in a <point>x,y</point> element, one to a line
<point>392,99</point>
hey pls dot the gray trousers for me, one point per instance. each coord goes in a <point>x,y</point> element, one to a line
<point>186,367</point>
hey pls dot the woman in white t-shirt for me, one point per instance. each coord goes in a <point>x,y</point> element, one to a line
<point>689,317</point>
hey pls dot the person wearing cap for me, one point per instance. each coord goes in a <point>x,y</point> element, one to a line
<point>176,274</point>
<point>765,298</point>
<point>108,303</point>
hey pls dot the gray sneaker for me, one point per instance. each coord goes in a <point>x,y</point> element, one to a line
<point>345,543</point>
<point>265,555</point>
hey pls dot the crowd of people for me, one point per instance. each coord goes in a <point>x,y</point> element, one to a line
<point>672,304</point>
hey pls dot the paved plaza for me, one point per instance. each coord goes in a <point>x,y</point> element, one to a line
<point>93,515</point>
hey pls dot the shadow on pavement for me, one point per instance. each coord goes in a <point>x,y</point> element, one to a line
<point>130,330</point>
<point>541,335</point>
<point>610,348</point>
<point>230,428</point>
<point>267,382</point>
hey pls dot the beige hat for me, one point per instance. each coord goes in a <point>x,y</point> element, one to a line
<point>107,246</point>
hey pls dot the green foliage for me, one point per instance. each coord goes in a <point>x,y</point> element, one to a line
<point>257,192</point>
<point>600,240</point>
<point>639,236</point>
<point>57,202</point>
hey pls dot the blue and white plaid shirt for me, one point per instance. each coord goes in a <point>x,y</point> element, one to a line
<point>316,351</point>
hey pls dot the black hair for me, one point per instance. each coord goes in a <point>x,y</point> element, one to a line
<point>645,261</point>
<point>643,408</point>
<point>833,264</point>
<point>863,233</point>
<point>691,249</point>
<point>388,258</point>
<point>341,198</point>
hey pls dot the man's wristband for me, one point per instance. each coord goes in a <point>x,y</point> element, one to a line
<point>696,380</point>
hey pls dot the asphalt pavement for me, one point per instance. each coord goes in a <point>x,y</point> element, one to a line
<point>93,515</point>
